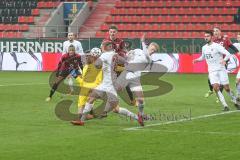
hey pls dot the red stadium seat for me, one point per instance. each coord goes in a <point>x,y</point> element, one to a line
<point>35,12</point>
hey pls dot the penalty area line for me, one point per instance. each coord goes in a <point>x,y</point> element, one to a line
<point>181,120</point>
<point>21,84</point>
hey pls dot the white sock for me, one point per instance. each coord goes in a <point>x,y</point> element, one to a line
<point>88,107</point>
<point>230,93</point>
<point>238,89</point>
<point>221,98</point>
<point>125,112</point>
<point>80,110</point>
<point>70,83</point>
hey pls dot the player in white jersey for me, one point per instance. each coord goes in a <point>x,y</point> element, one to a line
<point>107,61</point>
<point>237,45</point>
<point>137,61</point>
<point>79,50</point>
<point>71,41</point>
<point>213,53</point>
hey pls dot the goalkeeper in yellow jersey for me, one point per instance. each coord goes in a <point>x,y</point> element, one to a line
<point>91,77</point>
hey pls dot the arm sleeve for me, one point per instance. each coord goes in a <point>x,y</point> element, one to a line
<point>99,78</point>
<point>145,51</point>
<point>202,57</point>
<point>98,63</point>
<point>234,48</point>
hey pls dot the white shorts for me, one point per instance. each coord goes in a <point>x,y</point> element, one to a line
<point>130,79</point>
<point>109,90</point>
<point>219,77</point>
<point>238,74</point>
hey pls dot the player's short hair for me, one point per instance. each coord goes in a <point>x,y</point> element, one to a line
<point>155,45</point>
<point>217,28</point>
<point>87,52</point>
<point>71,46</point>
<point>113,27</point>
<point>209,32</point>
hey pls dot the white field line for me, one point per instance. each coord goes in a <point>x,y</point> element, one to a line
<point>181,120</point>
<point>193,132</point>
<point>21,84</point>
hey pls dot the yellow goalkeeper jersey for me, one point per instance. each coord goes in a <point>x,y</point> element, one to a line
<point>91,76</point>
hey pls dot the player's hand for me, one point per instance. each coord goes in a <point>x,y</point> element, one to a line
<point>194,61</point>
<point>238,53</point>
<point>223,62</point>
<point>143,37</point>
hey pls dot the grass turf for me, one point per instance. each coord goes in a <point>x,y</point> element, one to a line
<point>30,129</point>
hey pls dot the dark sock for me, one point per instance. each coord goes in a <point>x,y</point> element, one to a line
<point>54,88</point>
<point>210,86</point>
<point>221,88</point>
<point>129,92</point>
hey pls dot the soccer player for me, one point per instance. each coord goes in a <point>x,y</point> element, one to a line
<point>137,60</point>
<point>107,62</point>
<point>226,43</point>
<point>91,77</point>
<point>213,53</point>
<point>237,45</point>
<point>70,61</point>
<point>119,47</point>
<point>79,50</point>
<point>71,41</point>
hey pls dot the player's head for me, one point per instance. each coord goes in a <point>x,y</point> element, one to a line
<point>128,45</point>
<point>153,48</point>
<point>217,32</point>
<point>89,58</point>
<point>71,50</point>
<point>113,32</point>
<point>238,37</point>
<point>71,36</point>
<point>208,36</point>
<point>106,46</point>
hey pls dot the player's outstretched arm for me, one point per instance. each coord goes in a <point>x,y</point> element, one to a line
<point>201,58</point>
<point>98,63</point>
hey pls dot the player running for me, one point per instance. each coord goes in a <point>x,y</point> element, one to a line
<point>213,53</point>
<point>79,50</point>
<point>237,45</point>
<point>137,60</point>
<point>70,61</point>
<point>226,43</point>
<point>91,77</point>
<point>107,61</point>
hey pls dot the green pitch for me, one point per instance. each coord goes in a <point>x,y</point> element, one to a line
<point>30,129</point>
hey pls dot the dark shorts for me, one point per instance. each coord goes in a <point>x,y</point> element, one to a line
<point>63,73</point>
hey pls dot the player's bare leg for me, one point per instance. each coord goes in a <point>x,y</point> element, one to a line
<point>86,110</point>
<point>125,112</point>
<point>216,88</point>
<point>70,84</point>
<point>140,104</point>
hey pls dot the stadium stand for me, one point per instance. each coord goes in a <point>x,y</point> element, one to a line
<point>17,15</point>
<point>172,18</point>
